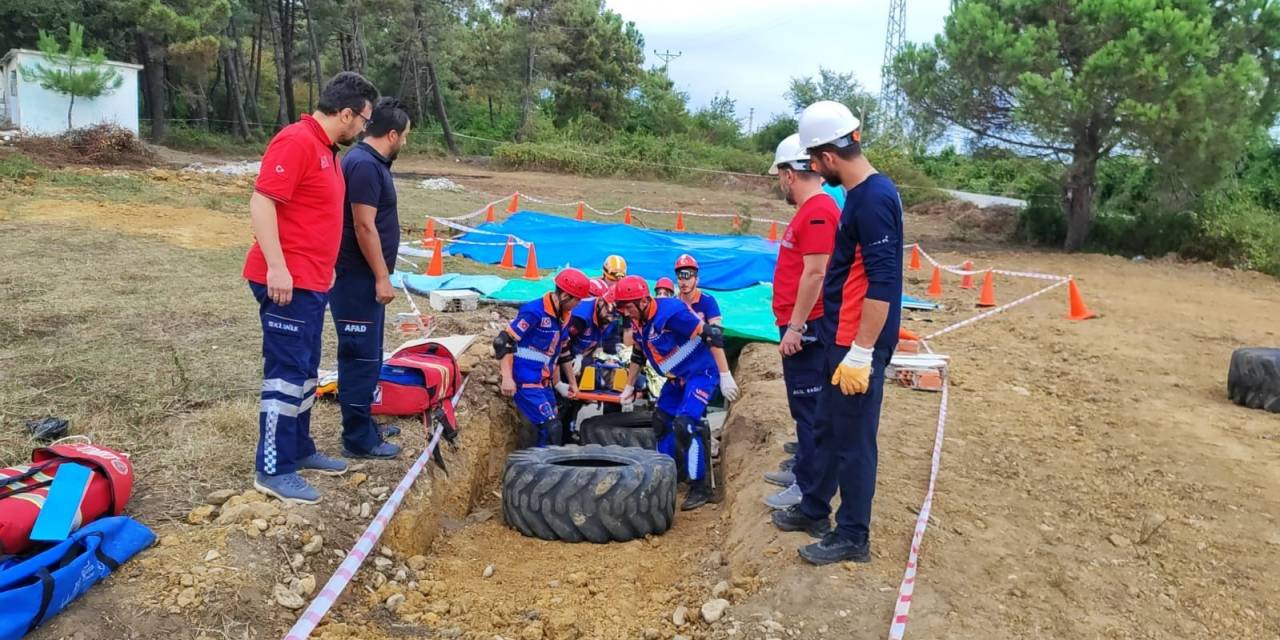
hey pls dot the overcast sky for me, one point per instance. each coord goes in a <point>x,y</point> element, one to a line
<point>751,48</point>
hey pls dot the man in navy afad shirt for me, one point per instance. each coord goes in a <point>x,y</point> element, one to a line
<point>862,306</point>
<point>370,239</point>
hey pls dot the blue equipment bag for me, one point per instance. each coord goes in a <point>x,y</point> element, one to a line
<point>36,588</point>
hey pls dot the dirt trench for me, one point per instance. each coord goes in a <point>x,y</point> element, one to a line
<point>450,530</point>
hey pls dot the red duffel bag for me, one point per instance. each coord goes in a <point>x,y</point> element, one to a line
<point>23,489</point>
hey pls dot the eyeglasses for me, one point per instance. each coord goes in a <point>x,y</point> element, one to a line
<point>365,127</point>
<point>686,275</point>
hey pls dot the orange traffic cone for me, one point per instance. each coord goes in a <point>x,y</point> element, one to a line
<point>1078,309</point>
<point>508,255</point>
<point>531,267</point>
<point>488,214</point>
<point>915,258</point>
<point>679,221</point>
<point>580,212</point>
<point>906,334</point>
<point>988,296</point>
<point>966,281</point>
<point>773,232</point>
<point>515,203</point>
<point>626,218</point>
<point>935,285</point>
<point>429,233</point>
<point>737,222</point>
<point>436,268</point>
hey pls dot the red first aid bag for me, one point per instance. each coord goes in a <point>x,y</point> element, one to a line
<point>24,488</point>
<point>417,379</point>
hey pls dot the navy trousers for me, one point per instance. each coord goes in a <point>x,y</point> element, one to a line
<point>359,320</point>
<point>290,358</point>
<point>845,448</point>
<point>802,373</point>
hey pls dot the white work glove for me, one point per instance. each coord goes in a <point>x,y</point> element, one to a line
<point>728,386</point>
<point>563,389</point>
<point>628,398</point>
<point>853,374</point>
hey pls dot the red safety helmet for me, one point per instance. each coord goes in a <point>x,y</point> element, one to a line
<point>665,283</point>
<point>686,261</point>
<point>574,283</point>
<point>630,289</point>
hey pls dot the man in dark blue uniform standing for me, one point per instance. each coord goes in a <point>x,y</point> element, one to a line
<point>862,307</point>
<point>370,240</point>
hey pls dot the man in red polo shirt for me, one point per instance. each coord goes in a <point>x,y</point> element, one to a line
<point>797,308</point>
<point>296,213</point>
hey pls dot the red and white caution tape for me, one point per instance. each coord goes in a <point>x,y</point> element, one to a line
<point>900,610</point>
<point>961,271</point>
<point>364,546</point>
<point>589,207</point>
<point>994,311</point>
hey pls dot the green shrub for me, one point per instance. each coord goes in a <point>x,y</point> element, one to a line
<point>18,166</point>
<point>1236,230</point>
<point>186,138</point>
<point>632,155</point>
<point>914,185</point>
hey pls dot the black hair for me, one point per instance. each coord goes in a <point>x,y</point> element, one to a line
<point>347,90</point>
<point>388,115</point>
<point>851,150</point>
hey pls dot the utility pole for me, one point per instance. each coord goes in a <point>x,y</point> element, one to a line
<point>891,99</point>
<point>667,56</point>
<point>751,116</point>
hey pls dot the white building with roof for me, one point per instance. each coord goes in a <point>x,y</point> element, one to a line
<point>35,110</point>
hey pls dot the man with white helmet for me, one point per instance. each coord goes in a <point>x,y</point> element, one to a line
<point>797,308</point>
<point>862,306</point>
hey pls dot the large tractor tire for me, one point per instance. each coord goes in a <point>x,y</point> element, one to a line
<point>1254,378</point>
<point>631,429</point>
<point>589,493</point>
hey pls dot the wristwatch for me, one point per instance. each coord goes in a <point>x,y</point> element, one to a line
<point>800,330</point>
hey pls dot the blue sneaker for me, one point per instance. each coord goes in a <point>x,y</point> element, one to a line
<point>381,451</point>
<point>287,487</point>
<point>389,430</point>
<point>322,463</point>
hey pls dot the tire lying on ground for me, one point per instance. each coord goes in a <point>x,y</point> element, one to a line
<point>1254,378</point>
<point>589,493</point>
<point>632,429</point>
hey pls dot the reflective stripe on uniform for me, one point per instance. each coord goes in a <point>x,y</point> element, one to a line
<point>280,408</point>
<point>529,353</point>
<point>678,356</point>
<point>280,385</point>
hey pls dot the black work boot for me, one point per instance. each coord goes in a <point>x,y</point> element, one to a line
<point>836,548</point>
<point>792,519</point>
<point>699,494</point>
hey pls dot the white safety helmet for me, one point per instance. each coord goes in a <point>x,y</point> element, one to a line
<point>827,122</point>
<point>790,153</point>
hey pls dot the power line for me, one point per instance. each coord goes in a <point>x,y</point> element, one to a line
<point>667,56</point>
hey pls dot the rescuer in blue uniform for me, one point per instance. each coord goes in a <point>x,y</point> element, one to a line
<point>529,348</point>
<point>593,324</point>
<point>678,343</point>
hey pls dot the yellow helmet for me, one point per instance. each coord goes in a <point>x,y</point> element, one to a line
<point>614,268</point>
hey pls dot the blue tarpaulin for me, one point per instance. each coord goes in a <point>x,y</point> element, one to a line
<point>727,262</point>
